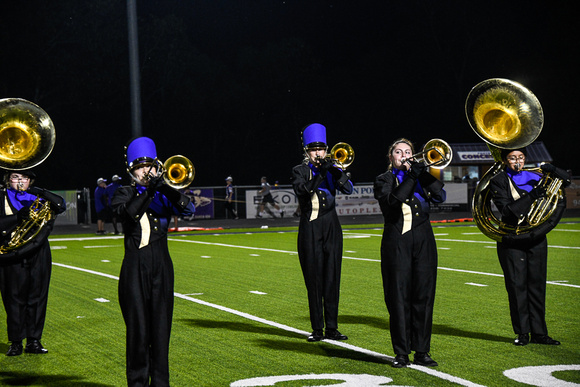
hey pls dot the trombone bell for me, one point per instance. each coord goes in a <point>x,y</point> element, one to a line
<point>179,171</point>
<point>342,154</point>
<point>435,154</point>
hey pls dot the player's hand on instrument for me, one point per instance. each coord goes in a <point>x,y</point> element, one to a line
<point>325,165</point>
<point>416,169</point>
<point>23,214</point>
<point>547,168</point>
<point>538,192</point>
<point>154,184</point>
<point>557,173</point>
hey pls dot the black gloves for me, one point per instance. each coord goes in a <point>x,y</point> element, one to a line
<point>325,166</point>
<point>416,170</point>
<point>558,173</point>
<point>57,202</point>
<point>36,191</point>
<point>538,192</point>
<point>547,168</point>
<point>154,184</point>
<point>23,214</point>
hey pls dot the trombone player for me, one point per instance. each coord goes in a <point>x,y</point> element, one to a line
<point>408,251</point>
<point>145,209</point>
<point>524,259</point>
<point>315,183</point>
<point>25,271</point>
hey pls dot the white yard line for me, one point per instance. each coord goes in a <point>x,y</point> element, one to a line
<point>427,370</point>
<point>357,259</point>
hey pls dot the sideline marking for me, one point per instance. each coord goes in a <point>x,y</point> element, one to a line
<point>357,259</point>
<point>80,239</point>
<point>427,370</point>
<point>488,242</point>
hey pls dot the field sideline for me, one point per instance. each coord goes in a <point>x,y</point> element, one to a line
<point>241,315</point>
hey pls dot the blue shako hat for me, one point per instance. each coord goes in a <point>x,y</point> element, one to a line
<point>140,150</point>
<point>313,136</point>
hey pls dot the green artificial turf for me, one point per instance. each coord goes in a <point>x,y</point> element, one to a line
<point>241,312</point>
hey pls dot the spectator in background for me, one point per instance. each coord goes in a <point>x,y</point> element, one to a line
<point>229,204</point>
<point>267,198</point>
<point>101,204</point>
<point>110,192</point>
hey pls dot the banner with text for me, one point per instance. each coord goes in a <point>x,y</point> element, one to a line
<point>360,202</point>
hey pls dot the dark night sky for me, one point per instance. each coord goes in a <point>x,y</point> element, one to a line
<point>230,84</point>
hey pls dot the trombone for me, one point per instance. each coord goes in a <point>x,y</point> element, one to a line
<point>177,171</point>
<point>342,154</point>
<point>436,154</point>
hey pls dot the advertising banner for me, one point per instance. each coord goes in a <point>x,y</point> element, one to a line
<point>360,202</point>
<point>203,198</point>
<point>70,216</point>
<point>283,197</point>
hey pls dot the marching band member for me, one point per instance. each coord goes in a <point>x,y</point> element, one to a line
<point>24,282</point>
<point>524,260</point>
<point>315,183</point>
<point>146,281</point>
<point>408,252</point>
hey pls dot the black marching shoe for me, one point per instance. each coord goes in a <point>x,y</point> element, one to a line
<point>315,336</point>
<point>34,346</point>
<point>423,358</point>
<point>544,339</point>
<point>401,361</point>
<point>522,339</point>
<point>15,349</point>
<point>334,334</point>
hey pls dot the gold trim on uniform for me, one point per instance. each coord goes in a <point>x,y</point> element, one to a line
<point>145,230</point>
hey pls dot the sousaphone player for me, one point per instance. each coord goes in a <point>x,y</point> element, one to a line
<point>27,215</point>
<point>531,202</point>
<point>524,261</point>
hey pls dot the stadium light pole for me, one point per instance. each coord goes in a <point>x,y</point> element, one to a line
<point>134,68</point>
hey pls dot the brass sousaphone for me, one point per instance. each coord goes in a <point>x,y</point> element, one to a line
<point>27,137</point>
<point>506,115</point>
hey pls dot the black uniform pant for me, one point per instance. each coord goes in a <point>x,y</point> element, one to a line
<point>320,254</point>
<point>146,300</point>
<point>230,209</point>
<point>409,270</point>
<point>24,287</point>
<point>525,272</point>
